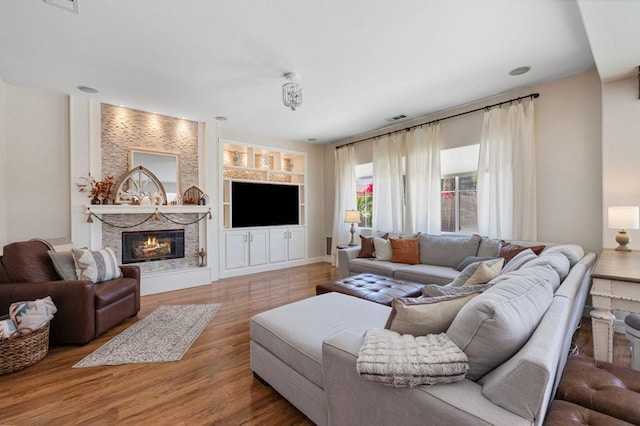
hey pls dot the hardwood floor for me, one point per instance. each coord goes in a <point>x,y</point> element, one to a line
<point>212,384</point>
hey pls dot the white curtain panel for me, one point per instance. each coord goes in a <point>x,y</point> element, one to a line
<point>506,174</point>
<point>345,190</point>
<point>422,211</point>
<point>388,188</point>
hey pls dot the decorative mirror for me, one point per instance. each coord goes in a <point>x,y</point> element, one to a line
<point>140,186</point>
<point>164,165</point>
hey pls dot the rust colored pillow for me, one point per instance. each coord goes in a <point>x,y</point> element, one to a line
<point>366,245</point>
<point>405,251</point>
<point>508,250</point>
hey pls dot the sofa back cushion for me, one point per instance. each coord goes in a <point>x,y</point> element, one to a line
<point>488,247</point>
<point>447,250</point>
<point>497,323</point>
<point>28,261</point>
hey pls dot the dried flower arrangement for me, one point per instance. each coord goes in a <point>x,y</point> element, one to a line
<point>100,189</point>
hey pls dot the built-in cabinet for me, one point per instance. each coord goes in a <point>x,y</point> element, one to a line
<point>246,248</point>
<point>286,244</point>
<point>261,248</point>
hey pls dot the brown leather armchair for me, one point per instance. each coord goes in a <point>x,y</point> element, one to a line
<point>85,309</point>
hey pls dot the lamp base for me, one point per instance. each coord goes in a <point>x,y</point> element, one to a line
<point>622,238</point>
<point>352,242</point>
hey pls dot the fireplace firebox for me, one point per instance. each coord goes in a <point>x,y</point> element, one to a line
<point>145,246</point>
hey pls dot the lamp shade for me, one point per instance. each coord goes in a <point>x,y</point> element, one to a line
<point>352,216</point>
<point>624,217</point>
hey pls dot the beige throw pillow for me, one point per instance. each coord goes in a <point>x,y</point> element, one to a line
<point>478,273</point>
<point>419,316</point>
<point>96,266</point>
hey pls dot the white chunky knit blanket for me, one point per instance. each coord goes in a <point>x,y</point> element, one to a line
<point>407,361</point>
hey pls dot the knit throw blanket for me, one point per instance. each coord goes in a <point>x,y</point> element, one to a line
<point>407,361</point>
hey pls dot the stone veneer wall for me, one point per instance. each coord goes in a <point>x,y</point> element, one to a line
<point>112,237</point>
<point>123,129</point>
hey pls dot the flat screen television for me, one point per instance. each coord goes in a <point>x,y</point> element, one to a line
<point>263,204</point>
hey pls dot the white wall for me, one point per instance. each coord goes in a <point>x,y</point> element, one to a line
<point>37,164</point>
<point>569,172</point>
<point>3,167</point>
<point>314,184</point>
<point>620,152</point>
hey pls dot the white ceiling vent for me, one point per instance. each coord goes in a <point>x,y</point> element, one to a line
<point>70,5</point>
<point>396,118</point>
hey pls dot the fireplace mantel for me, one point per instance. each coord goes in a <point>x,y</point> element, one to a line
<point>127,209</point>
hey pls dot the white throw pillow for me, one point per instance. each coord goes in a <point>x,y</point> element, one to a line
<point>478,273</point>
<point>383,248</point>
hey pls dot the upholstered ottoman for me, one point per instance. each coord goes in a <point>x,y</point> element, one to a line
<point>563,413</point>
<point>286,344</point>
<point>376,288</point>
<point>601,387</point>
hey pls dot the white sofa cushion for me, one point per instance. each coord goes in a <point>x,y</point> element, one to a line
<point>294,332</point>
<point>426,274</point>
<point>493,326</point>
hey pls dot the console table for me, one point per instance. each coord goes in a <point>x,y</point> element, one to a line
<point>616,285</point>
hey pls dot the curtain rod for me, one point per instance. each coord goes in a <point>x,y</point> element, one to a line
<point>532,96</point>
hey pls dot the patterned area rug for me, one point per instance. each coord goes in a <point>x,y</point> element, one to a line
<point>164,335</point>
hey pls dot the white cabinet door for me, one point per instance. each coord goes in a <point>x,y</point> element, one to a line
<point>296,243</point>
<point>258,247</point>
<point>236,249</point>
<point>278,243</point>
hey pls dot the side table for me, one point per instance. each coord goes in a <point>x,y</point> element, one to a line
<point>616,285</point>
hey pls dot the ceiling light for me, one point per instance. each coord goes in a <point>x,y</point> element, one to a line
<point>221,118</point>
<point>70,5</point>
<point>312,140</point>
<point>87,89</point>
<point>519,70</point>
<point>292,91</point>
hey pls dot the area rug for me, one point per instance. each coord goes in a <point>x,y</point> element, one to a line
<point>164,335</point>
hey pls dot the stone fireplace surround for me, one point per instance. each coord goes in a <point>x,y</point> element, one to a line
<point>110,132</point>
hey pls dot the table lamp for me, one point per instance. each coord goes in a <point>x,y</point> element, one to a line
<point>352,217</point>
<point>624,218</point>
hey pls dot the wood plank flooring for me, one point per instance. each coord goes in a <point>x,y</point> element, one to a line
<point>212,384</point>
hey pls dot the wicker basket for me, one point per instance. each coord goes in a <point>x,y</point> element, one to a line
<point>19,352</point>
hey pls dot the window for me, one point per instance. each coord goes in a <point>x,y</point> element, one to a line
<point>459,207</point>
<point>364,194</point>
<point>458,196</point>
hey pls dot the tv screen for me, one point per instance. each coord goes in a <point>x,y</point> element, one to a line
<point>263,204</point>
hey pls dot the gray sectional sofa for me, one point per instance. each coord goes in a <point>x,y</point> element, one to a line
<point>439,257</point>
<point>307,351</point>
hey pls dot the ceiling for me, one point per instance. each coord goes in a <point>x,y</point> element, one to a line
<point>360,61</point>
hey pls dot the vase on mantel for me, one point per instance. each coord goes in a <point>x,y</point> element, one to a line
<point>95,200</point>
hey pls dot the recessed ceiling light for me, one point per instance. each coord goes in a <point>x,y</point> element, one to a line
<point>519,70</point>
<point>87,89</point>
<point>221,118</point>
<point>312,140</point>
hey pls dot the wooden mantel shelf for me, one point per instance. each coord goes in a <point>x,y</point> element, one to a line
<point>127,209</point>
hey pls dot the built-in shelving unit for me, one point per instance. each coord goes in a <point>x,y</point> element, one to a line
<point>255,249</point>
<point>252,163</point>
